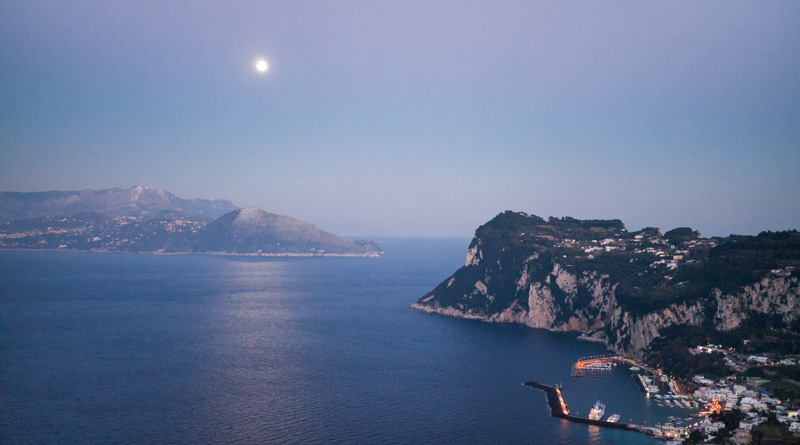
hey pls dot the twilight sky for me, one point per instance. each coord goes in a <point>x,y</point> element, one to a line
<point>414,118</point>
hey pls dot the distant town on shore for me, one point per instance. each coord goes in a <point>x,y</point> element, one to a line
<point>152,220</point>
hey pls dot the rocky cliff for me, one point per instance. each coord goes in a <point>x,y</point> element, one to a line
<point>622,288</point>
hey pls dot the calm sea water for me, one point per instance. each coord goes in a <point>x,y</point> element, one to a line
<point>124,348</point>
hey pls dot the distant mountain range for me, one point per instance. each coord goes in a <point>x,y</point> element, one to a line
<point>135,201</point>
<point>149,219</point>
<point>253,230</point>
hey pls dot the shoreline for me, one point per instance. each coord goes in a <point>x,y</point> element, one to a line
<point>456,313</point>
<point>267,255</point>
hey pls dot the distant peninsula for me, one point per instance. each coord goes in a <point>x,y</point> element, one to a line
<point>151,220</point>
<point>645,294</point>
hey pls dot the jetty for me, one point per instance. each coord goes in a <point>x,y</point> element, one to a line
<point>559,409</point>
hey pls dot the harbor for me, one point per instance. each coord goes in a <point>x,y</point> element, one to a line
<point>652,380</point>
<point>559,409</point>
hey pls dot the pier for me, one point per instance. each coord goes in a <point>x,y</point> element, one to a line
<point>559,409</point>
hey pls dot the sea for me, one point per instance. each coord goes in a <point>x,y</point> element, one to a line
<point>131,348</point>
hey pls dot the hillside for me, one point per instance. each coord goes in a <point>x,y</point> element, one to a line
<point>624,288</point>
<point>135,201</point>
<point>147,219</point>
<point>252,230</point>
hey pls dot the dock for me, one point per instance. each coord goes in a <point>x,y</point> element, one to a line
<point>559,409</point>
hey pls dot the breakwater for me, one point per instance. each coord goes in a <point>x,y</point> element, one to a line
<point>557,409</point>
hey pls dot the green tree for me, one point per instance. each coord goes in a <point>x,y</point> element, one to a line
<point>696,436</point>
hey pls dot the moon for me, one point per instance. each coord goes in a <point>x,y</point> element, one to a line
<point>262,66</point>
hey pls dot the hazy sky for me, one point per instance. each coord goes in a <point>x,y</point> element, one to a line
<point>414,118</point>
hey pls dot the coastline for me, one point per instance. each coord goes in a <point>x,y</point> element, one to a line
<point>456,313</point>
<point>591,338</point>
<point>272,255</point>
<point>449,312</point>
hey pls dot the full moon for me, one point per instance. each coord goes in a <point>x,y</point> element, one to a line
<point>262,66</point>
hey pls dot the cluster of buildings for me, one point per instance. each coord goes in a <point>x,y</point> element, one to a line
<point>722,395</point>
<point>732,393</point>
<point>646,242</point>
<point>729,393</point>
<point>71,231</point>
<point>756,404</point>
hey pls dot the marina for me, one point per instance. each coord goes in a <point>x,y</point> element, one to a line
<point>663,391</point>
<point>559,409</point>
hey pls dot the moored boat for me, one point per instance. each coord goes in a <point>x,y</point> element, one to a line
<point>614,418</point>
<point>598,411</point>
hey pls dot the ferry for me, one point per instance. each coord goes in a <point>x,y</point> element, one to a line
<point>614,418</point>
<point>597,412</point>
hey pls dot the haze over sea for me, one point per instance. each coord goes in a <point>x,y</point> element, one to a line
<point>125,348</point>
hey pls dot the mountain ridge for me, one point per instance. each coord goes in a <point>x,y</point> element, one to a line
<point>252,230</point>
<point>135,201</point>
<point>153,220</point>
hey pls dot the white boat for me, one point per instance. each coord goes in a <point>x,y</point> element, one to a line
<point>598,411</point>
<point>614,418</point>
<point>634,368</point>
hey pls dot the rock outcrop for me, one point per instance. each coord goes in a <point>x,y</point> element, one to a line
<point>553,274</point>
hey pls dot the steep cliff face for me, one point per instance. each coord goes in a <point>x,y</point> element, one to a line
<point>555,274</point>
<point>772,295</point>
